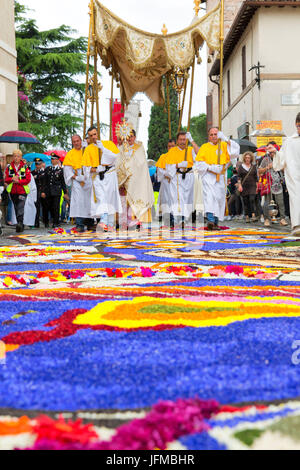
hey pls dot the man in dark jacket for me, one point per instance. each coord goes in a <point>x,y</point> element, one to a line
<point>17,178</point>
<point>53,186</point>
<point>39,176</point>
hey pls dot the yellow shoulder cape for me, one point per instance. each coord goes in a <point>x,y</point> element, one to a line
<point>109,145</point>
<point>92,154</point>
<point>74,158</point>
<point>176,155</point>
<point>161,163</point>
<point>208,153</point>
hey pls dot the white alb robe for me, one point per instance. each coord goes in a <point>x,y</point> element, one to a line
<point>163,203</point>
<point>105,196</point>
<point>214,192</point>
<point>288,159</point>
<point>80,204</point>
<point>29,209</point>
<point>198,204</point>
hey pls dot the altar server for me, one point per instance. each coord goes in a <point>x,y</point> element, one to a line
<point>213,174</point>
<point>81,186</point>
<point>182,179</point>
<point>99,163</point>
<point>163,203</point>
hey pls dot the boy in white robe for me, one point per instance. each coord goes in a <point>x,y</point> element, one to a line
<point>30,207</point>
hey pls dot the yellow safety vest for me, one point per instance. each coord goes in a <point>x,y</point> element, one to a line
<point>26,187</point>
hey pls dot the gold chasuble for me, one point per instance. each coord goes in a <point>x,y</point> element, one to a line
<point>176,155</point>
<point>162,161</point>
<point>92,154</point>
<point>208,153</point>
<point>133,175</point>
<point>74,158</point>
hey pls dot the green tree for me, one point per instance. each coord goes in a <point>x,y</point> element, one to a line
<point>159,127</point>
<point>198,129</point>
<point>50,66</point>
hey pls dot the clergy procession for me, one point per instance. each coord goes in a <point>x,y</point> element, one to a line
<point>112,184</point>
<point>102,174</point>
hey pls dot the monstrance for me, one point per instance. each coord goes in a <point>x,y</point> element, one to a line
<point>123,132</point>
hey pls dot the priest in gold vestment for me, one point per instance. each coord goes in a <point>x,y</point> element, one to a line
<point>135,183</point>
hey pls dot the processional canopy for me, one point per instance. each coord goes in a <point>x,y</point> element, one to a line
<point>139,59</point>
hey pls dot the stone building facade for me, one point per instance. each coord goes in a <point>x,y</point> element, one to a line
<point>231,8</point>
<point>265,33</point>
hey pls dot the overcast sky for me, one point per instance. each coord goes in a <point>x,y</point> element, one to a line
<point>146,14</point>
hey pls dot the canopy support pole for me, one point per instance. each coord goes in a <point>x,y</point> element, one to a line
<point>221,80</point>
<point>183,104</point>
<point>169,106</point>
<point>190,106</point>
<point>111,106</point>
<point>88,70</point>
<point>96,87</point>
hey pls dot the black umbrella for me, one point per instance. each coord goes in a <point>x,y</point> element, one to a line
<point>245,145</point>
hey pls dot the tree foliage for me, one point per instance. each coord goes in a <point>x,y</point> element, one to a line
<point>50,65</point>
<point>159,127</point>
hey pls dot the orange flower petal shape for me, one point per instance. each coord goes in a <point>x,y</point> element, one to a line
<point>149,312</point>
<point>11,347</point>
<point>12,428</point>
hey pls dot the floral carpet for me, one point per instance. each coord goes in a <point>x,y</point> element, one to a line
<point>150,340</point>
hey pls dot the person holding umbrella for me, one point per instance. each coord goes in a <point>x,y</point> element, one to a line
<point>17,179</point>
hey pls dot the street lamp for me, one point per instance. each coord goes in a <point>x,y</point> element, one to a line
<point>257,71</point>
<point>91,90</point>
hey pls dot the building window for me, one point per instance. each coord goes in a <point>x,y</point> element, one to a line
<point>228,90</point>
<point>244,68</point>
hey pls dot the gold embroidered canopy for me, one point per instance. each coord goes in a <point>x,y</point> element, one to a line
<point>140,59</point>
